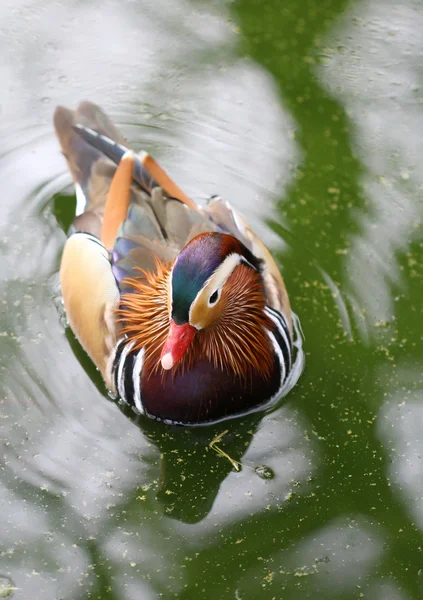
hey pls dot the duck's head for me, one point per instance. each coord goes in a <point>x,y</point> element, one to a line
<point>200,283</point>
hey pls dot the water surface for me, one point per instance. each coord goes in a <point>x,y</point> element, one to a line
<point>308,117</point>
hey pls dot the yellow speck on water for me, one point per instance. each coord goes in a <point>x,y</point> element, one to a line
<point>304,571</point>
<point>213,445</point>
<point>382,324</point>
<point>6,590</point>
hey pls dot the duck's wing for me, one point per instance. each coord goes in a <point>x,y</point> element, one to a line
<point>226,218</point>
<point>90,296</point>
<point>133,214</point>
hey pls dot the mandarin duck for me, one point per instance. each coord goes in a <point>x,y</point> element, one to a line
<point>181,308</point>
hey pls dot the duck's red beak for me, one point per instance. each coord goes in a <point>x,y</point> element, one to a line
<point>177,342</point>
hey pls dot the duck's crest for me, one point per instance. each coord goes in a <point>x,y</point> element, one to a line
<point>197,262</point>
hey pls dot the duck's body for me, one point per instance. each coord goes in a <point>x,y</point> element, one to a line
<point>182,309</point>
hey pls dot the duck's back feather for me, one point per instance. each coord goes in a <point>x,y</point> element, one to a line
<point>157,229</point>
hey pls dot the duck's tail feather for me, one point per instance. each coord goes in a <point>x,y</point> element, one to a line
<point>114,150</point>
<point>91,171</point>
<point>147,172</point>
<point>81,154</point>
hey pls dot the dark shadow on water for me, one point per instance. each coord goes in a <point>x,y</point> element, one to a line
<point>193,467</point>
<point>63,209</point>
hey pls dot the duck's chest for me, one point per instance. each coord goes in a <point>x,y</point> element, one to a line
<point>205,394</point>
<point>201,394</point>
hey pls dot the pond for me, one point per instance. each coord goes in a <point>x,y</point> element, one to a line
<point>308,117</point>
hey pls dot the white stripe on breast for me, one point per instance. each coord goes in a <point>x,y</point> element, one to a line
<point>277,319</point>
<point>120,374</point>
<point>279,354</point>
<point>136,380</point>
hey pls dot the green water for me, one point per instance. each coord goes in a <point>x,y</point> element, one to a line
<point>308,117</point>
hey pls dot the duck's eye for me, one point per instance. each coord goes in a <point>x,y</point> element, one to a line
<point>214,298</point>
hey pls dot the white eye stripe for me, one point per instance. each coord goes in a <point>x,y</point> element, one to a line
<point>216,282</point>
<point>224,271</point>
<point>244,261</point>
<point>219,278</point>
